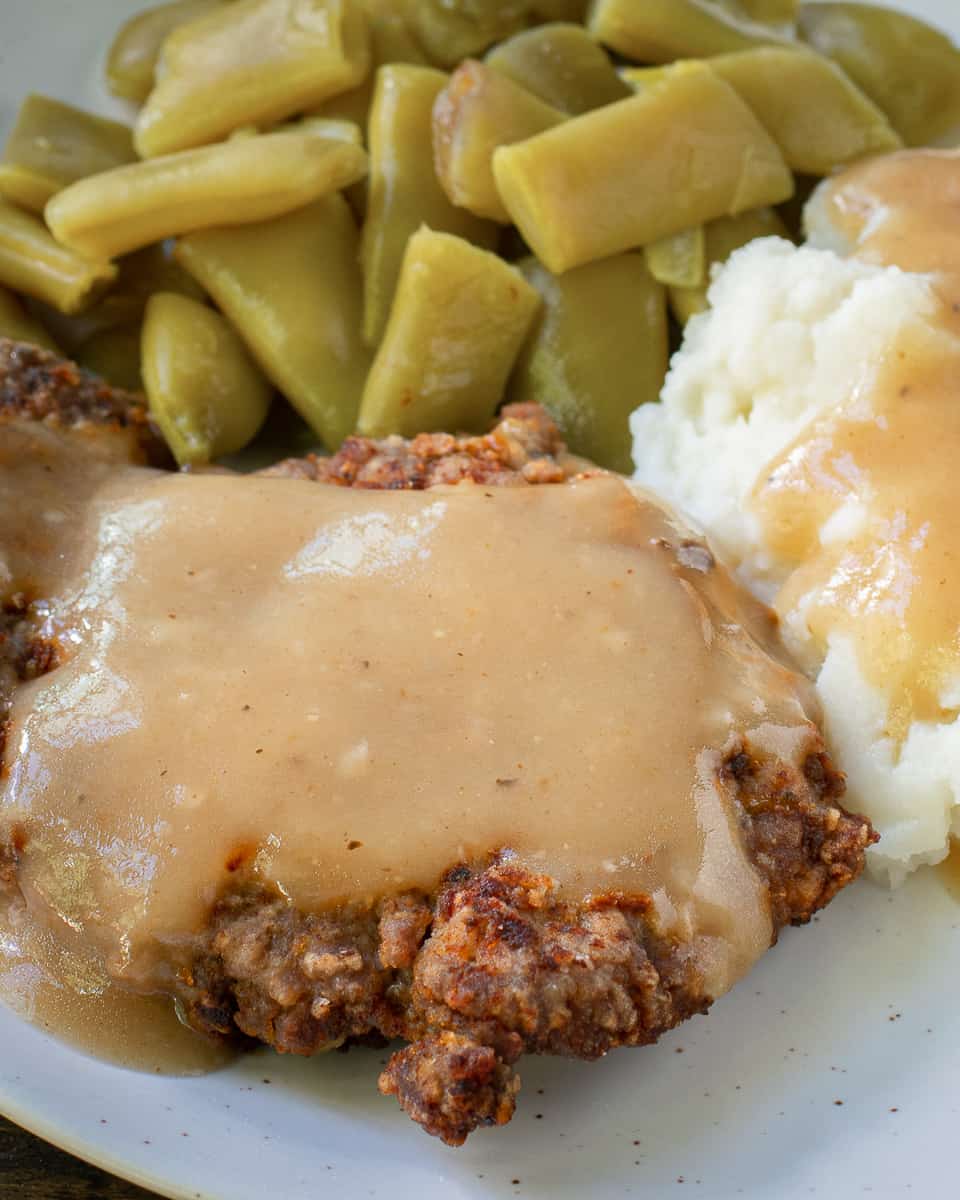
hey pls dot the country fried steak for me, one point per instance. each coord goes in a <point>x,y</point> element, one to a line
<point>496,965</point>
<point>496,954</point>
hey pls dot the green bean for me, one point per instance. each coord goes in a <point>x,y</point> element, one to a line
<point>139,275</point>
<point>17,324</point>
<point>32,263</point>
<point>562,65</point>
<point>599,350</point>
<point>475,113</point>
<point>251,62</point>
<point>659,31</point>
<point>114,355</point>
<point>107,335</point>
<point>248,179</point>
<point>908,69</point>
<point>451,30</point>
<point>581,191</point>
<point>721,238</point>
<point>391,33</point>
<point>132,58</point>
<point>817,116</point>
<point>811,109</point>
<point>678,260</point>
<point>205,392</point>
<point>353,106</point>
<point>333,129</point>
<point>404,191</point>
<point>458,322</point>
<point>54,144</point>
<point>391,41</point>
<point>292,289</point>
<point>780,14</point>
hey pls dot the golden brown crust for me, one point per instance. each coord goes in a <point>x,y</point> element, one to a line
<point>804,843</point>
<point>524,447</point>
<point>451,1085</point>
<point>498,963</point>
<point>36,385</point>
<point>25,654</point>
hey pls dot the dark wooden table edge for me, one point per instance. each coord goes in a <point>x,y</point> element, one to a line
<point>33,1169</point>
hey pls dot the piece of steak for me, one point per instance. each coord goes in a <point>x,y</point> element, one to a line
<point>495,959</point>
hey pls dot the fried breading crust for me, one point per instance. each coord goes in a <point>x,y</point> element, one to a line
<point>24,654</point>
<point>523,447</point>
<point>36,385</point>
<point>497,963</point>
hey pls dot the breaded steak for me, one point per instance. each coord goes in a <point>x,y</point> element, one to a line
<point>520,912</point>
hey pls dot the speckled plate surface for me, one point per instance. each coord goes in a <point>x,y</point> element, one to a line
<point>833,1071</point>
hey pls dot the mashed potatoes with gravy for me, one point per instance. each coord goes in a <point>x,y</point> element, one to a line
<point>773,395</point>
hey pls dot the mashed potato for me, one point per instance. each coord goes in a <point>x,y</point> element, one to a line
<point>793,334</point>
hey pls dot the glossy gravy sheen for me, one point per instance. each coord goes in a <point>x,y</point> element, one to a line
<point>884,465</point>
<point>348,692</point>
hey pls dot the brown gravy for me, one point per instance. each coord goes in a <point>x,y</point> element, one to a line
<point>885,462</point>
<point>58,983</point>
<point>350,691</point>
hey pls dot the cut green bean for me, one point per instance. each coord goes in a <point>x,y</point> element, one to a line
<point>248,179</point>
<point>353,106</point>
<point>139,275</point>
<point>679,260</point>
<point>660,31</point>
<point>205,392</point>
<point>17,324</point>
<point>132,58</point>
<point>54,144</point>
<point>908,69</point>
<point>476,112</point>
<point>292,289</point>
<point>818,117</point>
<point>599,350</point>
<point>403,190</point>
<point>721,239</point>
<point>458,322</point>
<point>333,129</point>
<point>391,33</point>
<point>781,15</point>
<point>562,65</point>
<point>583,190</point>
<point>451,30</point>
<point>391,41</point>
<point>34,264</point>
<point>251,62</point>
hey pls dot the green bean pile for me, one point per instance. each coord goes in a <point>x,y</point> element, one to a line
<point>399,214</point>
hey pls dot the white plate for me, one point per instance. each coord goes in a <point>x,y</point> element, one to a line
<point>859,1007</point>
